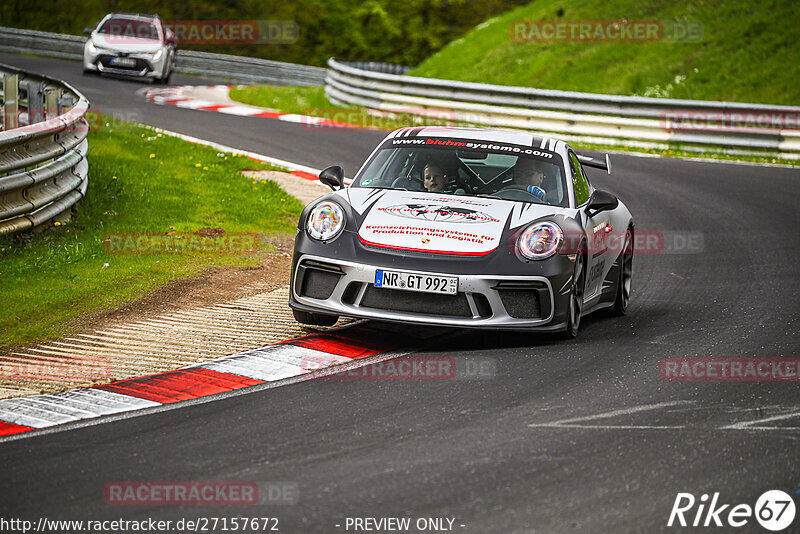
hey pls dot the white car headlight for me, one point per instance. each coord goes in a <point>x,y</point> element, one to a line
<point>540,240</point>
<point>325,221</point>
<point>158,54</point>
<point>90,46</point>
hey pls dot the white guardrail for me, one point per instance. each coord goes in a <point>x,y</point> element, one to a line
<point>238,68</point>
<point>604,119</point>
<point>43,167</point>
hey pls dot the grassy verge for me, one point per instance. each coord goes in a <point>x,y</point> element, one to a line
<point>140,182</point>
<point>284,98</point>
<point>746,53</point>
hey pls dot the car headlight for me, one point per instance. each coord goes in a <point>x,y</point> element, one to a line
<point>325,221</point>
<point>158,54</point>
<point>540,240</point>
<point>91,47</point>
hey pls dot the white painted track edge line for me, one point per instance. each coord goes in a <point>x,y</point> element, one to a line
<point>225,148</point>
<point>616,413</point>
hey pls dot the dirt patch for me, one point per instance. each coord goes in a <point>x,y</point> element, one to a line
<point>208,232</point>
<point>210,286</point>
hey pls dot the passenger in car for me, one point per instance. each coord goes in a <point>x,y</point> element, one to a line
<point>529,174</point>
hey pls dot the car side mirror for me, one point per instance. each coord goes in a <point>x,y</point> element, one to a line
<point>170,37</point>
<point>601,201</point>
<point>333,177</point>
<point>87,31</point>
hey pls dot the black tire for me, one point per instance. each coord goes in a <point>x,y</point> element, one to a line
<point>167,74</point>
<point>314,319</point>
<point>623,294</point>
<point>576,298</point>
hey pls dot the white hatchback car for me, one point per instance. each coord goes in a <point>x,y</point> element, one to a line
<point>130,45</point>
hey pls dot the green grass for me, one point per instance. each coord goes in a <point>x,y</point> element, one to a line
<point>748,52</point>
<point>284,98</point>
<point>53,280</point>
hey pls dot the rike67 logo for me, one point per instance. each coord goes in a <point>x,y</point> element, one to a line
<point>774,510</point>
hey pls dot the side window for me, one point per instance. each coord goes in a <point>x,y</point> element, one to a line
<point>579,182</point>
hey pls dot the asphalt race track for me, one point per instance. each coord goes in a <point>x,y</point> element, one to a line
<point>582,436</point>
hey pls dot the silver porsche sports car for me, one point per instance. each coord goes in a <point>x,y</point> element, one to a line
<point>464,227</point>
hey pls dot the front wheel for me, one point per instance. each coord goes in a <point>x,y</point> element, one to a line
<point>575,299</point>
<point>167,74</point>
<point>314,319</point>
<point>164,80</point>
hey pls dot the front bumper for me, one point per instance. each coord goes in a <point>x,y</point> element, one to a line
<point>498,302</point>
<point>144,66</point>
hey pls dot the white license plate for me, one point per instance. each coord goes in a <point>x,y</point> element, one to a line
<point>123,62</point>
<point>427,283</point>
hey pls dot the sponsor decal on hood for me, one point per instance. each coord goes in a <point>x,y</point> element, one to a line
<point>436,224</point>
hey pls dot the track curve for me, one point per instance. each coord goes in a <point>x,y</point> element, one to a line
<point>581,435</point>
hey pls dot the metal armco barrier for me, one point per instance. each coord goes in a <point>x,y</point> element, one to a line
<point>43,167</point>
<point>238,68</point>
<point>246,69</point>
<point>571,115</point>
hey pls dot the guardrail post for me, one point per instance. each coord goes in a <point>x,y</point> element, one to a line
<point>10,101</point>
<point>51,96</point>
<point>35,92</point>
<point>62,102</point>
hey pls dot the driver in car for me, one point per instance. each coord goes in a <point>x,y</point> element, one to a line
<point>435,178</point>
<point>529,174</point>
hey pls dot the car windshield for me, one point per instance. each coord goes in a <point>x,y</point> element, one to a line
<point>130,28</point>
<point>465,167</point>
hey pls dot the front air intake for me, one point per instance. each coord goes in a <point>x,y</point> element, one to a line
<point>416,302</point>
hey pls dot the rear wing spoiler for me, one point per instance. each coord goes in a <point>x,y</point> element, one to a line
<point>594,162</point>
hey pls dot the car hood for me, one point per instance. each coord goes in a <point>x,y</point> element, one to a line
<point>438,224</point>
<point>130,45</point>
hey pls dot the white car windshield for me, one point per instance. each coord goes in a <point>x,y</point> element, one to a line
<point>130,29</point>
<point>471,168</point>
